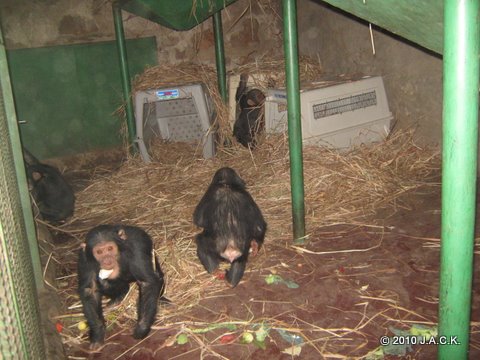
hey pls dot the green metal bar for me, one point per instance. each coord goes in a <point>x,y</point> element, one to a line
<point>294,123</point>
<point>220,55</point>
<point>16,145</point>
<point>122,54</point>
<point>460,129</point>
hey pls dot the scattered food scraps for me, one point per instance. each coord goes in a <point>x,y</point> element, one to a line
<point>59,327</point>
<point>277,279</point>
<point>247,337</point>
<point>228,338</point>
<point>289,337</point>
<point>422,333</point>
<point>293,350</point>
<point>262,333</point>
<point>228,326</point>
<point>182,339</point>
<point>220,275</point>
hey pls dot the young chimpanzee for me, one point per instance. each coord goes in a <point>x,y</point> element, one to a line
<point>112,258</point>
<point>53,195</point>
<point>251,120</point>
<point>233,225</point>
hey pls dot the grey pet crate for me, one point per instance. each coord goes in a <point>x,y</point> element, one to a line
<point>178,113</point>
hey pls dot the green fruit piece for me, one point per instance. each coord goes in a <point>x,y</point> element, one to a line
<point>182,339</point>
<point>247,337</point>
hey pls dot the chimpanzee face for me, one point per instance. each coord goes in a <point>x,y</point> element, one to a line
<point>106,253</point>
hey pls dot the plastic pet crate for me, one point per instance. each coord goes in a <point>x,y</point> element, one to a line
<point>178,114</point>
<point>338,115</point>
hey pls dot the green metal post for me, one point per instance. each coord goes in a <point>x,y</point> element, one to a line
<point>16,145</point>
<point>460,129</point>
<point>122,54</point>
<point>294,123</point>
<point>220,55</point>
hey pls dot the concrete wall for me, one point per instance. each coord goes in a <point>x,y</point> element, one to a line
<point>251,29</point>
<point>412,76</point>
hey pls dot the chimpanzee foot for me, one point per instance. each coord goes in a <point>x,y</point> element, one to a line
<point>95,346</point>
<point>141,331</point>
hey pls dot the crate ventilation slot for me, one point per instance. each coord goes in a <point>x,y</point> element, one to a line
<point>340,106</point>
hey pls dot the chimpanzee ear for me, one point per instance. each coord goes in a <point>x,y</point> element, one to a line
<point>122,234</point>
<point>83,246</point>
<point>36,176</point>
<point>238,181</point>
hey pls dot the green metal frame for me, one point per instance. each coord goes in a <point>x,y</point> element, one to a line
<point>460,130</point>
<point>126,86</point>
<point>20,275</point>
<point>177,15</point>
<point>294,119</point>
<point>12,124</point>
<point>220,55</point>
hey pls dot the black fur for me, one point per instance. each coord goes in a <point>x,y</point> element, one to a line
<point>53,195</point>
<point>251,120</point>
<point>227,211</point>
<point>136,265</point>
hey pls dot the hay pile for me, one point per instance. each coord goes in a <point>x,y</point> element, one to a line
<point>160,197</point>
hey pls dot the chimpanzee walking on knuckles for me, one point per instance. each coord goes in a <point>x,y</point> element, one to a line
<point>112,258</point>
<point>233,225</point>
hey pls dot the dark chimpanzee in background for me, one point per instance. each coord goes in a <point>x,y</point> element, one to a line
<point>52,194</point>
<point>232,224</point>
<point>112,258</point>
<point>251,120</point>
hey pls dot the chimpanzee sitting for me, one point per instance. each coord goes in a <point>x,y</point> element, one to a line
<point>251,120</point>
<point>233,225</point>
<point>112,258</point>
<point>53,195</point>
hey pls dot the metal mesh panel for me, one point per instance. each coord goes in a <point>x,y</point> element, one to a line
<point>20,336</point>
<point>182,118</point>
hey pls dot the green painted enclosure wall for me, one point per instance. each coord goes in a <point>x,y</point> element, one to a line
<point>68,94</point>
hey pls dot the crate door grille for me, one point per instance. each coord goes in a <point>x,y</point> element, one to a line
<point>340,106</point>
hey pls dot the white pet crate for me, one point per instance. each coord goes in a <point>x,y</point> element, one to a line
<point>336,115</point>
<point>179,114</point>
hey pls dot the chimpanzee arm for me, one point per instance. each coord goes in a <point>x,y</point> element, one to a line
<point>259,226</point>
<point>235,273</point>
<point>150,284</point>
<point>91,299</point>
<point>259,230</point>
<point>206,252</point>
<point>202,212</point>
<point>242,86</point>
